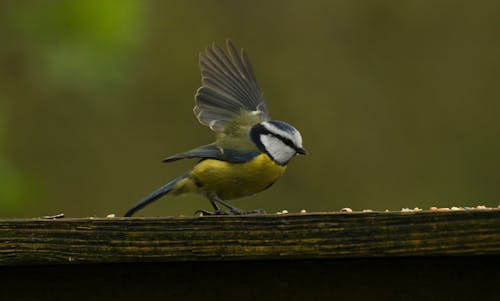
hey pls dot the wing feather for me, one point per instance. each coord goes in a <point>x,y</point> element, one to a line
<point>235,71</point>
<point>229,89</point>
<point>215,84</point>
<point>246,73</point>
<point>224,75</point>
<point>212,151</point>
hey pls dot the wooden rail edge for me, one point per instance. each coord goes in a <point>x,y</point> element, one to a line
<point>269,237</point>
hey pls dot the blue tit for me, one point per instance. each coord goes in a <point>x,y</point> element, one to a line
<point>251,151</point>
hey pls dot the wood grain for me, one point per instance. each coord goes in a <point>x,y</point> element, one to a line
<point>292,236</point>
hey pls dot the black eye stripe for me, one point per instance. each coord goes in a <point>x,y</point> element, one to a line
<point>259,130</point>
<point>284,140</point>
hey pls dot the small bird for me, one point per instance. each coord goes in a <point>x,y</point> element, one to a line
<point>251,151</point>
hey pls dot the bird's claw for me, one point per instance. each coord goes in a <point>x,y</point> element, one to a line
<point>237,211</point>
<point>217,212</point>
<point>232,211</point>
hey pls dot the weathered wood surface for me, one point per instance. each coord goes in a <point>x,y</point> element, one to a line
<point>292,236</point>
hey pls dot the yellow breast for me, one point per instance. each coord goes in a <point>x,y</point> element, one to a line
<point>235,180</point>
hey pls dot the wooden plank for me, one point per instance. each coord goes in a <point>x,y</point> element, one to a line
<point>402,278</point>
<point>215,238</point>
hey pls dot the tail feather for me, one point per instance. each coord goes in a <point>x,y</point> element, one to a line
<point>154,196</point>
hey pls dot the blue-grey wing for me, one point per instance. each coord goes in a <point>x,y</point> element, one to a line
<point>212,151</point>
<point>229,88</point>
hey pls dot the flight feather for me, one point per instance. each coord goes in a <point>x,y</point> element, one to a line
<point>229,89</point>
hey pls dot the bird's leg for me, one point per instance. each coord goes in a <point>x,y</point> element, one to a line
<point>218,210</point>
<point>237,211</point>
<point>214,199</point>
<point>214,204</point>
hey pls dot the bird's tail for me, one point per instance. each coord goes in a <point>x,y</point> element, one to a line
<point>154,195</point>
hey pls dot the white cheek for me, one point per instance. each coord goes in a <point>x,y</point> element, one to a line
<point>280,152</point>
<point>293,136</point>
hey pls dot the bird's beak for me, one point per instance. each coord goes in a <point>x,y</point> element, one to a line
<point>301,150</point>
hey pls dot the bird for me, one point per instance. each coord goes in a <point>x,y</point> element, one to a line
<point>251,151</point>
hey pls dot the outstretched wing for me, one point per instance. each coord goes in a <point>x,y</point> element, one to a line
<point>229,89</point>
<point>212,151</point>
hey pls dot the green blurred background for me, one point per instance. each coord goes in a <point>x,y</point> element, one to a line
<point>397,101</point>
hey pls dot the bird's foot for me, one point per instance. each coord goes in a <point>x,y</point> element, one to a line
<point>232,211</point>
<point>237,211</point>
<point>216,212</point>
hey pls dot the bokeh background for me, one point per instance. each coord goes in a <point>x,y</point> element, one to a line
<point>398,101</point>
